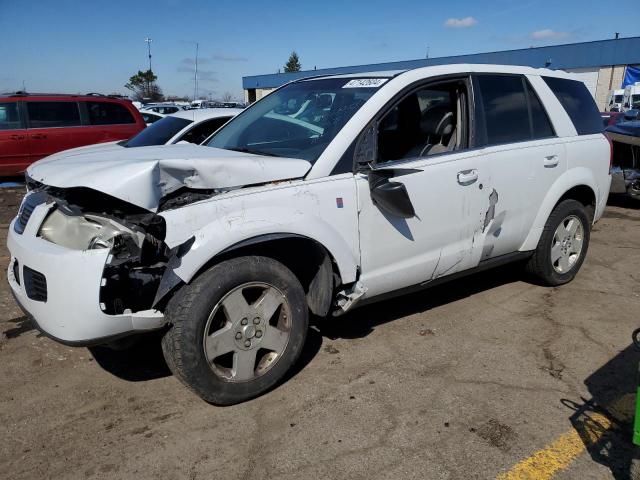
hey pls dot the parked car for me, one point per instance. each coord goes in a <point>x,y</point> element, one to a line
<point>163,108</point>
<point>192,126</point>
<point>611,118</point>
<point>395,181</point>
<point>34,126</point>
<point>631,98</point>
<point>625,163</point>
<point>614,100</point>
<point>188,126</point>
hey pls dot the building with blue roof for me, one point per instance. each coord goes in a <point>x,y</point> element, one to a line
<point>603,65</point>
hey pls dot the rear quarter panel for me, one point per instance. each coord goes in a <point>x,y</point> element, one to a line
<point>587,164</point>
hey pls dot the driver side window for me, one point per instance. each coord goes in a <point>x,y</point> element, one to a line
<point>426,122</point>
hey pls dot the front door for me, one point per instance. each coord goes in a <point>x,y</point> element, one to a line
<point>422,144</point>
<point>14,145</point>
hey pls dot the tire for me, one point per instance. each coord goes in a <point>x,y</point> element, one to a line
<point>542,265</point>
<point>209,302</point>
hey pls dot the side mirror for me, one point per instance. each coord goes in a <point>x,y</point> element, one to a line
<point>392,197</point>
<point>366,147</point>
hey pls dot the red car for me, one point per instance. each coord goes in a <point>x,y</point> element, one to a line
<point>33,126</point>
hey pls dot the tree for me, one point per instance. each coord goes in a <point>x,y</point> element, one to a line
<point>144,87</point>
<point>227,97</point>
<point>293,65</point>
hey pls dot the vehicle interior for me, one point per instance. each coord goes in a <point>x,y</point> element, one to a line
<point>298,120</point>
<point>304,130</point>
<point>426,122</point>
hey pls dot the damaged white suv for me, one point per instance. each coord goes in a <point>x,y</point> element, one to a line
<point>328,193</point>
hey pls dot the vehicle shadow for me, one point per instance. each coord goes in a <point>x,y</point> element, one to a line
<point>362,321</point>
<point>139,360</point>
<point>143,360</point>
<point>623,201</point>
<point>605,421</point>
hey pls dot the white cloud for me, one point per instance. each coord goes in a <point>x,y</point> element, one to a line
<point>460,22</point>
<point>548,34</point>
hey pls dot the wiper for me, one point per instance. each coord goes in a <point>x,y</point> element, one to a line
<point>253,152</point>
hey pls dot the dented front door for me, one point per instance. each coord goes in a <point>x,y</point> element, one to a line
<point>446,192</point>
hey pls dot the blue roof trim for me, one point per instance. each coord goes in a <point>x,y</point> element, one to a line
<point>623,51</point>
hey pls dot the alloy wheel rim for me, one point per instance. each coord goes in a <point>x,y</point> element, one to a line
<point>567,244</point>
<point>247,332</point>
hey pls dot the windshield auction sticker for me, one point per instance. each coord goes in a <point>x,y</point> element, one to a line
<point>365,83</point>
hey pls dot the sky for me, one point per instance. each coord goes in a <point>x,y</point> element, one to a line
<point>95,46</point>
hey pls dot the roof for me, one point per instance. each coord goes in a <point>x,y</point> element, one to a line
<point>623,51</point>
<point>60,96</point>
<point>200,114</point>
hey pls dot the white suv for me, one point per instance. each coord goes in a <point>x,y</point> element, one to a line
<point>328,193</point>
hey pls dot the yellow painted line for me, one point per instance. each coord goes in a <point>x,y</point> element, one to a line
<point>559,454</point>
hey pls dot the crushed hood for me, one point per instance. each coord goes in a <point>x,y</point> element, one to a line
<point>143,175</point>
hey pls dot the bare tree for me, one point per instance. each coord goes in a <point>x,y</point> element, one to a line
<point>227,97</point>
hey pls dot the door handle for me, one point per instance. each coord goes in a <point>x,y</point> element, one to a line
<point>16,137</point>
<point>467,177</point>
<point>551,161</point>
<point>38,136</point>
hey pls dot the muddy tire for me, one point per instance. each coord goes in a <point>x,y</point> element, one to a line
<point>563,244</point>
<point>236,330</point>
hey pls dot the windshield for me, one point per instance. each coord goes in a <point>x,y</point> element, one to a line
<point>618,98</point>
<point>299,120</point>
<point>158,133</point>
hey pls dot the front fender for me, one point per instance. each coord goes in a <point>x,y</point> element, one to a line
<point>241,225</point>
<point>571,178</point>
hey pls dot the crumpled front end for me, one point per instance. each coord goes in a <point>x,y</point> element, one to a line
<point>84,274</point>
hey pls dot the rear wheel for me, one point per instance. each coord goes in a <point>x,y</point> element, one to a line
<point>563,244</point>
<point>236,329</point>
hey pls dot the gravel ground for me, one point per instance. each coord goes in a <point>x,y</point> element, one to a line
<point>461,381</point>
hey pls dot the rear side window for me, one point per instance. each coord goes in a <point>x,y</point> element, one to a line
<point>578,103</point>
<point>53,114</point>
<point>9,116</point>
<point>505,109</point>
<point>108,113</point>
<point>540,124</point>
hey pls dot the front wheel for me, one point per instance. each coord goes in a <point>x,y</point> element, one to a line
<point>236,329</point>
<point>563,244</point>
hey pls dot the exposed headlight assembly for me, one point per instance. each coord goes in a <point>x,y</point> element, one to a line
<point>85,232</point>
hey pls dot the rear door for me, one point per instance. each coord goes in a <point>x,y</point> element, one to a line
<point>106,121</point>
<point>523,155</point>
<point>422,148</point>
<point>52,125</point>
<point>14,144</point>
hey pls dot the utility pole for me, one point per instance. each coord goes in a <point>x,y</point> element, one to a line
<point>428,48</point>
<point>195,77</point>
<point>148,40</point>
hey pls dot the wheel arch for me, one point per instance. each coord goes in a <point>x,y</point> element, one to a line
<point>578,184</point>
<point>309,260</point>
